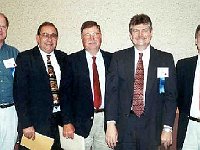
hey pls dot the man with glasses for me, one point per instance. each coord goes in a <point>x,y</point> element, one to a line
<point>83,102</point>
<point>8,115</point>
<point>36,86</point>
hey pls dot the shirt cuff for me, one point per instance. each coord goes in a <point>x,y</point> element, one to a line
<point>167,128</point>
<point>111,121</point>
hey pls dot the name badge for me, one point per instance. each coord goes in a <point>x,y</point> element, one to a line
<point>10,64</point>
<point>162,73</point>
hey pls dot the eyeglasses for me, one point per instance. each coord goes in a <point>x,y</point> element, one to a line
<point>46,35</point>
<point>94,34</point>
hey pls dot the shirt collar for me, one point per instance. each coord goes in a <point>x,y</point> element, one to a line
<point>3,45</point>
<point>98,54</point>
<point>198,60</point>
<point>145,52</point>
<point>44,54</point>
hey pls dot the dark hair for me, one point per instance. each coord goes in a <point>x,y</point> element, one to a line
<point>89,24</point>
<point>197,30</point>
<point>46,24</point>
<point>140,19</point>
<point>7,22</point>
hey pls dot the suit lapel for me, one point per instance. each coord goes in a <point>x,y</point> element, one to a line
<point>129,69</point>
<point>60,56</point>
<point>106,61</point>
<point>57,57</point>
<point>152,71</point>
<point>131,64</point>
<point>191,68</point>
<point>84,68</point>
<point>39,63</point>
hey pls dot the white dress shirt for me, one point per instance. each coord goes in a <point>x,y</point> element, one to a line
<point>145,58</point>
<point>56,67</point>
<point>101,71</point>
<point>194,111</point>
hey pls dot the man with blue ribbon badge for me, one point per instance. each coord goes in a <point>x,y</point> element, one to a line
<point>162,73</point>
<point>140,93</point>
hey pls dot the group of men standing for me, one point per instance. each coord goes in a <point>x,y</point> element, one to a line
<point>122,101</point>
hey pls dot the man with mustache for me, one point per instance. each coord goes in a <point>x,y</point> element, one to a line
<point>140,93</point>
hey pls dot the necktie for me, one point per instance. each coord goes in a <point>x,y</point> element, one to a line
<point>138,97</point>
<point>96,85</point>
<point>53,81</point>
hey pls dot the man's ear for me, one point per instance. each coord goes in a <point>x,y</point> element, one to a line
<point>130,36</point>
<point>37,38</point>
<point>195,41</point>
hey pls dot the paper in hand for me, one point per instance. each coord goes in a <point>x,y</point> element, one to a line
<point>77,143</point>
<point>41,142</point>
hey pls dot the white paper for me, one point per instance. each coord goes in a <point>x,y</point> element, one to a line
<point>162,72</point>
<point>41,142</point>
<point>9,63</point>
<point>71,144</point>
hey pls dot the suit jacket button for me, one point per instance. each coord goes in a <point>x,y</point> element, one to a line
<point>92,118</point>
<point>126,115</point>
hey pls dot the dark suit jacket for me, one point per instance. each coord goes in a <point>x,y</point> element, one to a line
<point>185,69</point>
<point>32,93</point>
<point>76,93</point>
<point>159,108</point>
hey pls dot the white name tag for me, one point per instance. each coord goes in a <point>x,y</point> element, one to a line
<point>162,72</point>
<point>9,63</point>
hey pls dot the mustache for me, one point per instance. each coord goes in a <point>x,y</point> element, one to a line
<point>91,42</point>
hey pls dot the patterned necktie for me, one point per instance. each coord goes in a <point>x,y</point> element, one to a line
<point>138,97</point>
<point>96,85</point>
<point>53,81</point>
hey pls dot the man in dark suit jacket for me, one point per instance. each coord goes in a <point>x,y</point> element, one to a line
<point>33,95</point>
<point>77,92</point>
<point>127,130</point>
<point>188,75</point>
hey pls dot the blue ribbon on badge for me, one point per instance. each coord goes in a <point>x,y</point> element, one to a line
<point>162,85</point>
<point>12,71</point>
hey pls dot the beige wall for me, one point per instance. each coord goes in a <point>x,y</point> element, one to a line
<point>174,22</point>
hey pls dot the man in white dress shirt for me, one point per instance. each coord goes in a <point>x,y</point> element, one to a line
<point>35,90</point>
<point>188,83</point>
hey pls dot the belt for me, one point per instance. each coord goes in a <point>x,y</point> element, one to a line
<point>98,110</point>
<point>6,105</point>
<point>133,113</point>
<point>194,119</point>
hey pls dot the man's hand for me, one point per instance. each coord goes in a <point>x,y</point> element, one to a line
<point>29,132</point>
<point>166,139</point>
<point>111,135</point>
<point>68,131</point>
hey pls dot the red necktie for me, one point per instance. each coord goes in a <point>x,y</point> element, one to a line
<point>53,81</point>
<point>96,85</point>
<point>138,97</point>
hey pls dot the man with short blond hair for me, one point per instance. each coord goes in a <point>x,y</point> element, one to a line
<point>8,116</point>
<point>83,102</point>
